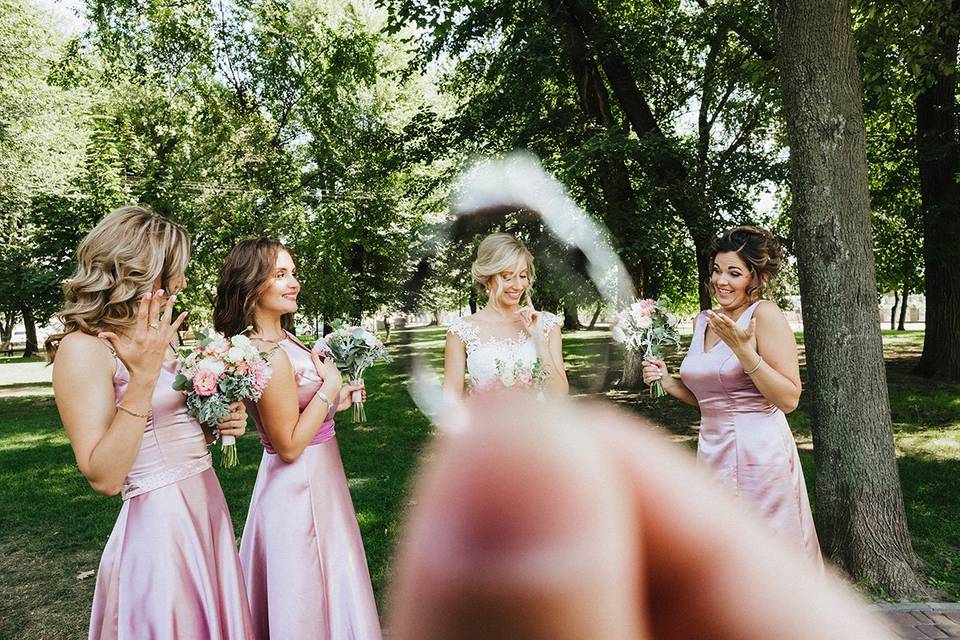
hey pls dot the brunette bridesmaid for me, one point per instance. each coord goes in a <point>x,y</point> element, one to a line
<point>743,373</point>
<point>303,559</point>
<point>170,567</point>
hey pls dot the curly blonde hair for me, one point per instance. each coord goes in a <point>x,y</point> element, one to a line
<point>499,253</point>
<point>118,262</point>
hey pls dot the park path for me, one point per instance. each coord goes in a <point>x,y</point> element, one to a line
<point>922,620</point>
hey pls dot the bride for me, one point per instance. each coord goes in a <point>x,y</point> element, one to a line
<point>504,344</point>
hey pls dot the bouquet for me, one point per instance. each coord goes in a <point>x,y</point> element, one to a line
<point>355,349</point>
<point>518,373</point>
<point>645,327</point>
<point>214,373</point>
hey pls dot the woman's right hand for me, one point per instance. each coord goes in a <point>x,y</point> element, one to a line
<point>655,369</point>
<point>328,372</point>
<point>143,350</point>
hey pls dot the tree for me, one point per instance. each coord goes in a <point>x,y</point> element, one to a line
<point>860,512</point>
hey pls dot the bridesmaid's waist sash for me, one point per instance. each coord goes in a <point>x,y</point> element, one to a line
<point>166,477</point>
<point>326,432</point>
<point>727,411</point>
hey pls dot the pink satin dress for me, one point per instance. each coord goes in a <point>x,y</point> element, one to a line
<point>303,559</point>
<point>746,441</point>
<point>170,567</point>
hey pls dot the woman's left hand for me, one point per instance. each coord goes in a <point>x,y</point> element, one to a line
<point>737,339</point>
<point>531,319</point>
<point>235,424</point>
<point>346,395</point>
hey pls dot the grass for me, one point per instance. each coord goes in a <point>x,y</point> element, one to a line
<point>53,526</point>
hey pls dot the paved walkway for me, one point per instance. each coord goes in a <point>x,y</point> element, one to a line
<point>923,620</point>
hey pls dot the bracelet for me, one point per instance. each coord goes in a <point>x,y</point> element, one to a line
<point>759,362</point>
<point>320,394</point>
<point>133,413</point>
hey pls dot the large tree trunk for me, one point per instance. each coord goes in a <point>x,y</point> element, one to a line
<point>596,314</point>
<point>860,514</point>
<point>621,215</point>
<point>632,377</point>
<point>939,163</point>
<point>472,299</point>
<point>903,308</point>
<point>571,318</point>
<point>7,321</point>
<point>30,326</point>
<point>670,171</point>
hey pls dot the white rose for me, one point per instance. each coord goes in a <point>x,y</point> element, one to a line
<point>211,364</point>
<point>644,322</point>
<point>235,354</point>
<point>240,340</point>
<point>371,340</point>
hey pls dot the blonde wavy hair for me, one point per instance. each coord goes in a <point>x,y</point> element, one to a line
<point>118,262</point>
<point>499,253</point>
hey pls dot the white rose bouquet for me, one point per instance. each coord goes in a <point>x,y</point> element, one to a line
<point>214,373</point>
<point>355,350</point>
<point>645,327</point>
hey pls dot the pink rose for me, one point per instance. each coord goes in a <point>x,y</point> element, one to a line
<point>204,382</point>
<point>242,368</point>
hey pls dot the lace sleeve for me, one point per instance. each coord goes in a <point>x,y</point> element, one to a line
<point>551,320</point>
<point>466,331</point>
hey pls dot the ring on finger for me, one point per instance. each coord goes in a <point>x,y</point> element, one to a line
<point>154,326</point>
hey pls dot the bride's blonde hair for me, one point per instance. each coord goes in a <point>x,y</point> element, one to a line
<point>499,253</point>
<point>118,262</point>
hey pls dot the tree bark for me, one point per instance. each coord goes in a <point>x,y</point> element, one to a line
<point>939,163</point>
<point>6,326</point>
<point>632,377</point>
<point>903,308</point>
<point>893,311</point>
<point>570,317</point>
<point>30,326</point>
<point>621,215</point>
<point>670,171</point>
<point>596,314</point>
<point>472,299</point>
<point>860,514</point>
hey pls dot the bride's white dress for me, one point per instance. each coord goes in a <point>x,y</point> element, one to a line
<point>489,355</point>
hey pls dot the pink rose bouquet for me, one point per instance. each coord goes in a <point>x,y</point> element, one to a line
<point>214,373</point>
<point>646,326</point>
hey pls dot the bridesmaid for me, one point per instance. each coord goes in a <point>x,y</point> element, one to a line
<point>170,567</point>
<point>743,373</point>
<point>303,559</point>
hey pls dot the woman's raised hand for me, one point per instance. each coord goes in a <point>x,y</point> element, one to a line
<point>531,319</point>
<point>727,330</point>
<point>144,349</point>
<point>327,370</point>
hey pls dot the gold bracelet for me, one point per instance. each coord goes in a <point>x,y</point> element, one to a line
<point>759,362</point>
<point>133,413</point>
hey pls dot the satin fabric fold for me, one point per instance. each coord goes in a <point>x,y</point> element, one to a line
<point>302,556</point>
<point>170,568</point>
<point>746,441</point>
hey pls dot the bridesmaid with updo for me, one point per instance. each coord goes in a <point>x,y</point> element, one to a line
<point>743,373</point>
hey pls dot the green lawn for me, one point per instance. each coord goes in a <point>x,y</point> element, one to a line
<point>53,526</point>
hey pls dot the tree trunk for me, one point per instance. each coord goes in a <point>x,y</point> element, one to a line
<point>860,515</point>
<point>939,163</point>
<point>596,314</point>
<point>893,311</point>
<point>473,300</point>
<point>621,215</point>
<point>571,318</point>
<point>30,326</point>
<point>669,172</point>
<point>903,308</point>
<point>9,319</point>
<point>632,377</point>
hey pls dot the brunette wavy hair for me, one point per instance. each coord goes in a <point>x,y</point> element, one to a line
<point>117,262</point>
<point>758,248</point>
<point>246,273</point>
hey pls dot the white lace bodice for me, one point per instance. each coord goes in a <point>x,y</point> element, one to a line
<point>484,352</point>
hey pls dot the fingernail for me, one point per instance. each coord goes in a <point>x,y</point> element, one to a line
<point>159,292</point>
<point>148,295</point>
<point>173,297</point>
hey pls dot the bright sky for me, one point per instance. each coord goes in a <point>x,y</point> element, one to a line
<point>65,12</point>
